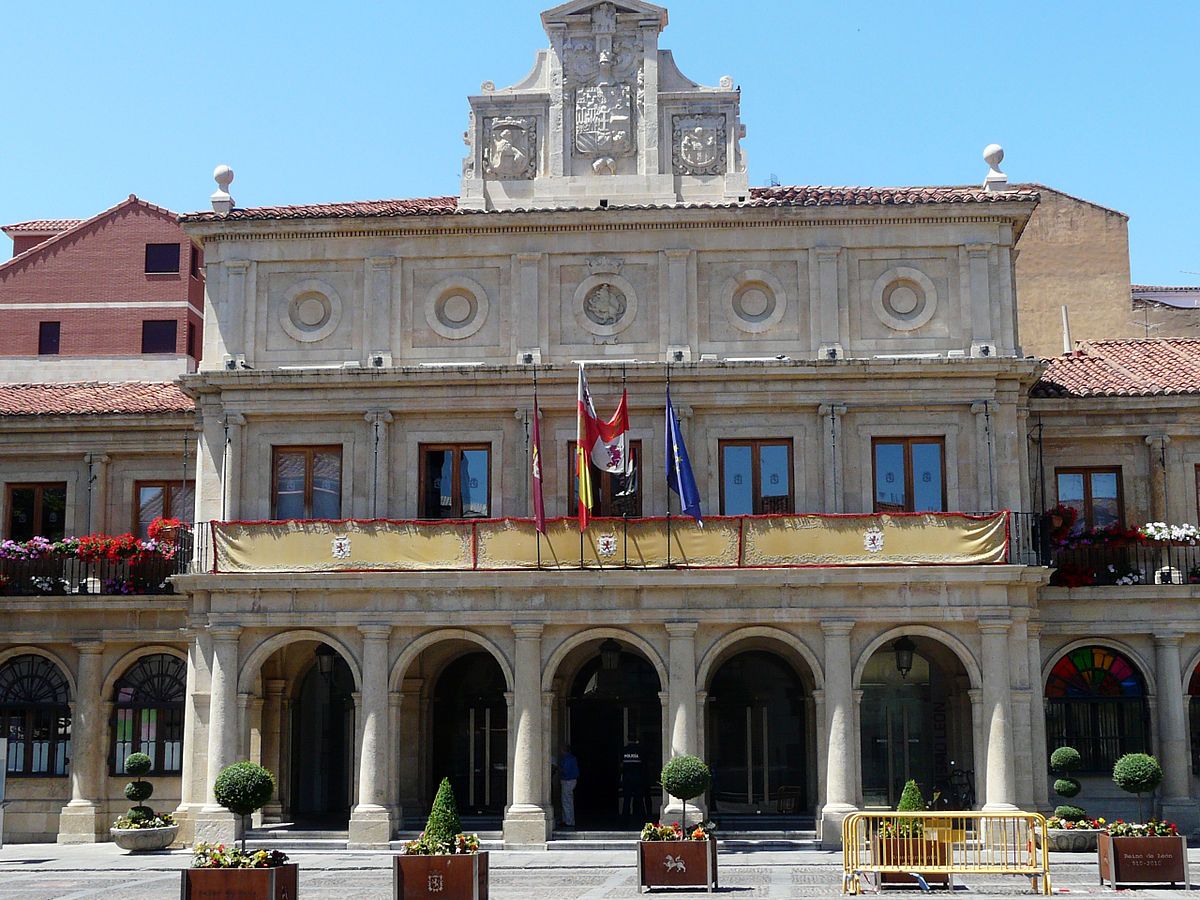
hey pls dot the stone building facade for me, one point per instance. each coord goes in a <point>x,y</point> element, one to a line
<point>364,407</point>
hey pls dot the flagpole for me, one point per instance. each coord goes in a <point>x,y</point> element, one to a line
<point>629,466</point>
<point>670,435</point>
<point>536,532</point>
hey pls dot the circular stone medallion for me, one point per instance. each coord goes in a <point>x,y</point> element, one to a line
<point>311,312</point>
<point>605,304</point>
<point>755,301</point>
<point>904,298</point>
<point>456,308</point>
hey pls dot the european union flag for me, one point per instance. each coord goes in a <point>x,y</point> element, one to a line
<point>679,468</point>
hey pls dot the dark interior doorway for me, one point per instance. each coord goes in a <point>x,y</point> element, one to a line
<point>470,735</point>
<point>607,708</point>
<point>323,744</point>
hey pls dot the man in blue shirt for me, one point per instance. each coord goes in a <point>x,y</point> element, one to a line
<point>568,775</point>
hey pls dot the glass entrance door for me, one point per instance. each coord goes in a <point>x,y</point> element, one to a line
<point>895,745</point>
<point>485,765</point>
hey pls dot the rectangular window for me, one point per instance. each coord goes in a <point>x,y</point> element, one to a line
<point>168,499</point>
<point>197,261</point>
<point>909,474</point>
<point>456,481</point>
<point>158,335</point>
<point>308,483</point>
<point>162,259</point>
<point>191,340</point>
<point>48,338</point>
<point>1094,494</point>
<point>37,510</point>
<point>616,495</point>
<point>756,477</point>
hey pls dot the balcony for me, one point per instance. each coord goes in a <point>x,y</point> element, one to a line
<point>42,568</point>
<point>739,542</point>
<point>1126,564</point>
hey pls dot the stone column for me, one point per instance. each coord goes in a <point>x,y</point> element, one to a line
<point>272,726</point>
<point>79,820</point>
<point>97,492</point>
<point>232,469</point>
<point>1037,720</point>
<point>1024,763</point>
<point>831,428</point>
<point>840,781</point>
<point>681,693</point>
<point>214,823</point>
<point>1177,806</point>
<point>1159,503</point>
<point>820,731</point>
<point>394,804</point>
<point>997,718</point>
<point>370,824</point>
<point>526,821</point>
<point>978,744</point>
<point>245,703</point>
<point>378,421</point>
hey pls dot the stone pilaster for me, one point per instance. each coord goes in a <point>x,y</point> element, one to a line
<point>985,455</point>
<point>81,819</point>
<point>1160,507</point>
<point>1177,805</point>
<point>272,727</point>
<point>526,823</point>
<point>97,491</point>
<point>840,780</point>
<point>378,421</point>
<point>214,823</point>
<point>1037,720</point>
<point>997,718</point>
<point>681,714</point>
<point>232,470</point>
<point>370,823</point>
<point>831,430</point>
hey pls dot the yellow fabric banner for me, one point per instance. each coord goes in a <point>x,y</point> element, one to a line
<point>878,540</point>
<point>755,542</point>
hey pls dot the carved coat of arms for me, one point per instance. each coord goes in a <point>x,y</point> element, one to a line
<point>510,148</point>
<point>604,120</point>
<point>699,145</point>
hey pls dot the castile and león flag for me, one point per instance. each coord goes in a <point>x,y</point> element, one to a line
<point>604,444</point>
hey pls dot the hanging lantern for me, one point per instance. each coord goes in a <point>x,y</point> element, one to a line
<point>903,649</point>
<point>610,655</point>
<point>325,658</point>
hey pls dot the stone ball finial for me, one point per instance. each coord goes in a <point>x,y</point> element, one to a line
<point>993,155</point>
<point>222,202</point>
<point>488,86</point>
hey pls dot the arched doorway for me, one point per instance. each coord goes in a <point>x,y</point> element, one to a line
<point>1194,719</point>
<point>916,724</point>
<point>323,738</point>
<point>470,734</point>
<point>613,703</point>
<point>757,733</point>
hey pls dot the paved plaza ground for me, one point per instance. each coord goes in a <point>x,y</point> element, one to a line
<point>51,872</point>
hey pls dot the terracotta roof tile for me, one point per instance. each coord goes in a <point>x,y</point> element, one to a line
<point>41,226</point>
<point>764,197</point>
<point>93,399</point>
<point>1124,369</point>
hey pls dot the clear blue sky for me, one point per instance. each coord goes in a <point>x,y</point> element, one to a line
<point>353,100</point>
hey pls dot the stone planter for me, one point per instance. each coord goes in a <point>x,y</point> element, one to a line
<point>1143,860</point>
<point>911,853</point>
<point>1070,840</point>
<point>461,876</point>
<point>677,864</point>
<point>280,883</point>
<point>141,840</point>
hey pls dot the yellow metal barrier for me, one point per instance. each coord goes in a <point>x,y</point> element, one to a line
<point>923,848</point>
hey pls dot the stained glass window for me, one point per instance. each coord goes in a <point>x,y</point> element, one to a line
<point>1096,703</point>
<point>34,716</point>
<point>148,714</point>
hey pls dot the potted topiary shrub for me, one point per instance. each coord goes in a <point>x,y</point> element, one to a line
<point>1141,852</point>
<point>1069,829</point>
<point>906,843</point>
<point>142,829</point>
<point>218,871</point>
<point>674,855</point>
<point>443,863</point>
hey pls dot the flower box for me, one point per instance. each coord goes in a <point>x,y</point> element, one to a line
<point>458,876</point>
<point>1070,840</point>
<point>911,853</point>
<point>278,883</point>
<point>677,864</point>
<point>141,840</point>
<point>1143,860</point>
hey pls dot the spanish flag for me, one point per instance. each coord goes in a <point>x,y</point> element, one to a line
<point>604,445</point>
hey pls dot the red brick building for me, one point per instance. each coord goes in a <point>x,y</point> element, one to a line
<point>119,296</point>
